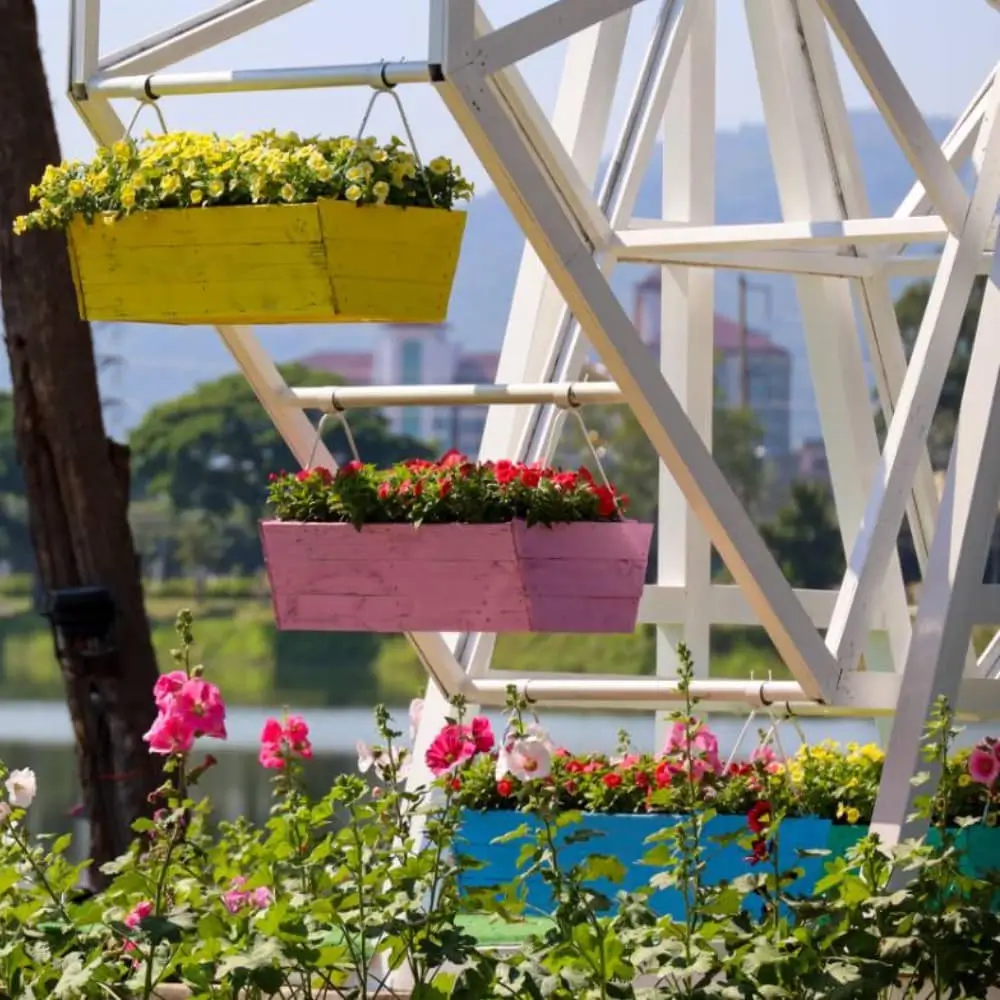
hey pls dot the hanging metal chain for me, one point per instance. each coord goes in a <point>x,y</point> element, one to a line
<point>145,103</point>
<point>575,410</point>
<point>390,90</point>
<point>341,415</point>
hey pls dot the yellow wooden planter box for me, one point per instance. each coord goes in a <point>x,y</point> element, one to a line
<point>327,262</point>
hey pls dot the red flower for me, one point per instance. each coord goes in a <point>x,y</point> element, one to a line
<point>584,473</point>
<point>505,472</point>
<point>565,480</point>
<point>665,773</point>
<point>761,851</point>
<point>384,490</point>
<point>482,734</point>
<point>641,779</point>
<point>531,477</point>
<point>505,787</point>
<point>574,767</point>
<point>612,779</point>
<point>570,787</point>
<point>760,817</point>
<point>352,468</point>
<point>452,458</point>
<point>444,488</point>
<point>456,784</point>
<point>606,505</point>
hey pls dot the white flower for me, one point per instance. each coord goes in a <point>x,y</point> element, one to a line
<point>416,712</point>
<point>22,787</point>
<point>527,758</point>
<point>365,756</point>
<point>385,764</point>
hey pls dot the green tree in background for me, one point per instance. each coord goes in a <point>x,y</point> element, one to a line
<point>910,309</point>
<point>805,539</point>
<point>212,449</point>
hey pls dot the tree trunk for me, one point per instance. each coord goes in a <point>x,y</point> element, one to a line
<point>76,478</point>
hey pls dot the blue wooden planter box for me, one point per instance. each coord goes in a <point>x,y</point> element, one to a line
<point>623,837</point>
<point>979,845</point>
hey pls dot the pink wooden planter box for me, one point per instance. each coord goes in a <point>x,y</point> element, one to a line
<point>581,577</point>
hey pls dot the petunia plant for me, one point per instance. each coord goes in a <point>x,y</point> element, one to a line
<point>453,489</point>
<point>189,170</point>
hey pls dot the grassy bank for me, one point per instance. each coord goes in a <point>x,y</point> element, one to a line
<point>256,664</point>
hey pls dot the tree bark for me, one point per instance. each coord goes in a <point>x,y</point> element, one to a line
<point>76,479</point>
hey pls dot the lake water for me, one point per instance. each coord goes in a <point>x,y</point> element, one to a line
<point>38,735</point>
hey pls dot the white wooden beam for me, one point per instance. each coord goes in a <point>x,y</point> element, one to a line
<point>196,34</point>
<point>943,625</point>
<point>898,108</point>
<point>644,238</point>
<point>907,434</point>
<point>687,341</point>
<point>542,28</point>
<point>807,190</point>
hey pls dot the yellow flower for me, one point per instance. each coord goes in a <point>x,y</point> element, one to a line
<point>77,189</point>
<point>964,780</point>
<point>355,173</point>
<point>170,184</point>
<point>197,196</point>
<point>316,161</point>
<point>353,193</point>
<point>121,150</point>
<point>852,815</point>
<point>216,188</point>
<point>325,172</point>
<point>288,192</point>
<point>381,191</point>
<point>99,182</point>
<point>128,197</point>
<point>20,225</point>
<point>139,180</point>
<point>439,165</point>
<point>380,155</point>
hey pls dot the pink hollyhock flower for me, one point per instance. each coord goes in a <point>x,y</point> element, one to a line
<point>451,747</point>
<point>482,734</point>
<point>984,766</point>
<point>234,899</point>
<point>139,913</point>
<point>201,703</point>
<point>166,686</point>
<point>297,737</point>
<point>261,897</point>
<point>281,742</point>
<point>170,733</point>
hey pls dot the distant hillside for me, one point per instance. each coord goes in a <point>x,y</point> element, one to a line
<point>161,362</point>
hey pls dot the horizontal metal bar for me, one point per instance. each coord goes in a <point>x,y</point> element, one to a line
<point>377,75</point>
<point>493,691</point>
<point>567,394</point>
<point>862,695</point>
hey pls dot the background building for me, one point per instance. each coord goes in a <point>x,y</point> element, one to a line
<point>769,368</point>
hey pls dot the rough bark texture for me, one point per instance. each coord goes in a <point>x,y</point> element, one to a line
<point>76,478</point>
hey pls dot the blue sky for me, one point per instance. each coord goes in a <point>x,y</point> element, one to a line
<point>943,49</point>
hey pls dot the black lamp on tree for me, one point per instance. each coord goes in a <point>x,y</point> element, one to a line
<point>82,620</point>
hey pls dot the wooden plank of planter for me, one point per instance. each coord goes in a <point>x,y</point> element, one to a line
<point>579,577</point>
<point>326,262</point>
